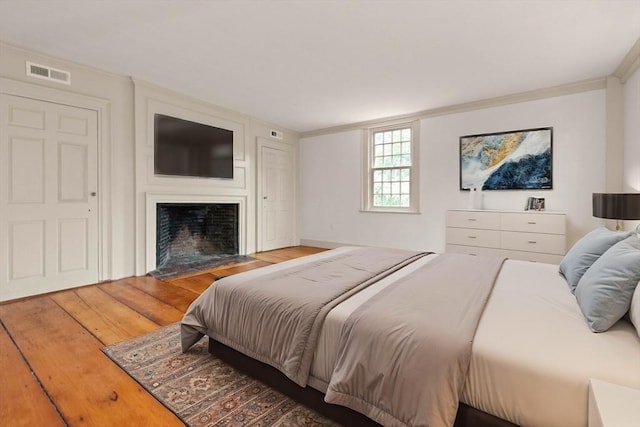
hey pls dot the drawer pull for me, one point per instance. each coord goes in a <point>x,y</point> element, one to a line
<point>472,237</point>
<point>471,219</point>
<point>532,222</point>
<point>533,242</point>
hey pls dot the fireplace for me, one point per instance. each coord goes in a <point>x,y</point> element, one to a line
<point>195,236</point>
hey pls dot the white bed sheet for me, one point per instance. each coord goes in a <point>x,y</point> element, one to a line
<point>533,353</point>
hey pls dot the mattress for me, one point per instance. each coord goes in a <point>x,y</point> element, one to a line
<point>533,354</point>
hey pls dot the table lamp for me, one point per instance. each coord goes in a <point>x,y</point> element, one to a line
<point>618,206</point>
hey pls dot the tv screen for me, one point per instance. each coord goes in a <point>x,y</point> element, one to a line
<point>185,148</point>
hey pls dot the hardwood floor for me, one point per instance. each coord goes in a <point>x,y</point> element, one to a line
<point>52,369</point>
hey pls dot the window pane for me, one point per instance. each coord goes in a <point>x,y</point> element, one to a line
<point>405,201</point>
<point>406,174</point>
<point>406,148</point>
<point>377,176</point>
<point>404,188</point>
<point>395,174</point>
<point>406,134</point>
<point>377,188</point>
<point>395,188</point>
<point>387,136</point>
<point>379,150</point>
<point>378,162</point>
<point>388,149</point>
<point>377,200</point>
<point>397,135</point>
<point>397,148</point>
<point>377,137</point>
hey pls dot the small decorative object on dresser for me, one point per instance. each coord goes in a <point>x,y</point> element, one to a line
<point>535,204</point>
<point>529,236</point>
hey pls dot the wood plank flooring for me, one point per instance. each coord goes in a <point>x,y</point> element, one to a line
<point>52,369</point>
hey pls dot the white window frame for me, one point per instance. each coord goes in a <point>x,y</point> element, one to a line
<point>367,167</point>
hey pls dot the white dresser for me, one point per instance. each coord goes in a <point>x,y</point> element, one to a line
<point>527,235</point>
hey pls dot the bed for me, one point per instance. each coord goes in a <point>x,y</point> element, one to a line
<point>531,354</point>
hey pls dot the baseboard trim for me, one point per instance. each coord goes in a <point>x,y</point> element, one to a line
<point>324,244</point>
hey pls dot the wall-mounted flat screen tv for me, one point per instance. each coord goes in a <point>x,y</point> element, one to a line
<point>185,148</point>
<point>514,160</point>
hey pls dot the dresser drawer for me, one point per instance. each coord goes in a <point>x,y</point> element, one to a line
<point>532,242</point>
<point>473,237</point>
<point>533,222</point>
<point>474,250</point>
<point>473,219</point>
<point>533,257</point>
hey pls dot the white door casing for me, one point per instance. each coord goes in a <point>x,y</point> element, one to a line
<point>276,197</point>
<point>48,203</point>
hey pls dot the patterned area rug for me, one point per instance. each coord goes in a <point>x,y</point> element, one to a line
<point>201,389</point>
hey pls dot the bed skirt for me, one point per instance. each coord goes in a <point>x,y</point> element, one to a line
<point>314,399</point>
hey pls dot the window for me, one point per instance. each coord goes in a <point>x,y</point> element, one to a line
<point>391,168</point>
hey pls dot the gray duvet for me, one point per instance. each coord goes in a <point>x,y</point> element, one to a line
<point>275,315</point>
<point>404,354</point>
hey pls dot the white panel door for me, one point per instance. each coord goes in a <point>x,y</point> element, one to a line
<point>48,203</point>
<point>277,198</point>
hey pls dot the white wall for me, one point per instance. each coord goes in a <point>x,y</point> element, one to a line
<point>124,202</point>
<point>117,91</point>
<point>330,174</point>
<point>631,176</point>
<point>632,133</point>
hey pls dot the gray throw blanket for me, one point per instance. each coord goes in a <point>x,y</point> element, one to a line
<point>275,315</point>
<point>404,354</point>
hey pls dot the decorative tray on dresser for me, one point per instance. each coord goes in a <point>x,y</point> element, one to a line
<point>538,236</point>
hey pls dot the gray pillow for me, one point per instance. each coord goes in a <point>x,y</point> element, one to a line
<point>605,290</point>
<point>585,251</point>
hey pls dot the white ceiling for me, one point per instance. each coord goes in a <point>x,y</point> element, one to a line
<point>307,65</point>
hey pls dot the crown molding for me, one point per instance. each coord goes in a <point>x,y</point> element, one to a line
<point>550,92</point>
<point>630,63</point>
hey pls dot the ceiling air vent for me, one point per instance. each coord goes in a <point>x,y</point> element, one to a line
<point>48,73</point>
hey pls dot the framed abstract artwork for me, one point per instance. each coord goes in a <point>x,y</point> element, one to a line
<point>514,160</point>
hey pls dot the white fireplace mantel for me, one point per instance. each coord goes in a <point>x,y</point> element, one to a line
<point>152,200</point>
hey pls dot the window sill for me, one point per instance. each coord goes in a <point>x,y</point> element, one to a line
<point>391,210</point>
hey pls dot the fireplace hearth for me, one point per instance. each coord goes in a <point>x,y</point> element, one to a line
<point>192,237</point>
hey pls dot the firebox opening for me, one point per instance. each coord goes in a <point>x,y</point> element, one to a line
<point>195,236</point>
